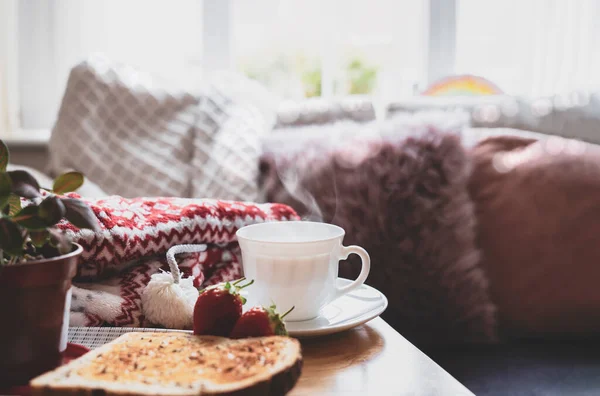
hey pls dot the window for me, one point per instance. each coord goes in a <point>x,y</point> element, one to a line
<point>389,49</point>
<point>335,47</point>
<point>530,47</point>
<point>8,54</point>
<point>161,37</point>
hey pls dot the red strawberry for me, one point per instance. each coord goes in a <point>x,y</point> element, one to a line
<point>260,322</point>
<point>218,308</point>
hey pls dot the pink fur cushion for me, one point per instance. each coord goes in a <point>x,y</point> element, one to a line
<point>402,196</point>
<point>538,209</point>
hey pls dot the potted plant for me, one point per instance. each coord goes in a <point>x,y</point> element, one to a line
<point>37,263</point>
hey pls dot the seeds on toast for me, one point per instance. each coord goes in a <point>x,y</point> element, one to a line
<point>129,362</point>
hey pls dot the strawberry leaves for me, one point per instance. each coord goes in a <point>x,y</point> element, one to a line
<point>277,320</point>
<point>260,322</point>
<point>218,308</point>
<point>236,289</point>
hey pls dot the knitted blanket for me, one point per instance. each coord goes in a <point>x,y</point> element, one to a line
<point>118,261</point>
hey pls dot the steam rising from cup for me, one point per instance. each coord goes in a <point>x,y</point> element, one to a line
<point>291,180</point>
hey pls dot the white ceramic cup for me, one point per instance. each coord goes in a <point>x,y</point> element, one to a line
<point>295,264</point>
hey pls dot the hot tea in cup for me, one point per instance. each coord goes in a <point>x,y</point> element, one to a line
<point>295,264</point>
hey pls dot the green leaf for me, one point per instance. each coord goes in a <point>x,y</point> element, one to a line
<point>5,189</point>
<point>4,156</point>
<point>28,218</point>
<point>79,214</point>
<point>51,210</point>
<point>24,185</point>
<point>39,238</point>
<point>67,182</point>
<point>14,205</point>
<point>11,237</point>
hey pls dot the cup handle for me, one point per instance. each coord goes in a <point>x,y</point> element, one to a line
<point>364,272</point>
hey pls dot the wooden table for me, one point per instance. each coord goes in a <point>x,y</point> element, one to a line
<point>372,359</point>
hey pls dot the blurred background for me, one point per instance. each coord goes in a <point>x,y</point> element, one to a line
<point>387,49</point>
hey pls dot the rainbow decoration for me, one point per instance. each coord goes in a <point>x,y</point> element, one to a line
<point>463,85</point>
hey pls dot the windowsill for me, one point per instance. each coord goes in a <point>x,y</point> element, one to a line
<point>27,138</point>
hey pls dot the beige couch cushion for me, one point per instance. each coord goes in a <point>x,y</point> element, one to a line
<point>572,115</point>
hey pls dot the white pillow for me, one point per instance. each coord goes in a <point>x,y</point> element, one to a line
<point>225,161</point>
<point>134,137</point>
<point>573,115</point>
<point>124,133</point>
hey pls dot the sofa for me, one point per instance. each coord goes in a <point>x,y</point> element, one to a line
<point>546,342</point>
<point>459,292</point>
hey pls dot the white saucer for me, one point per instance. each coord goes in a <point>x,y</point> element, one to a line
<point>348,311</point>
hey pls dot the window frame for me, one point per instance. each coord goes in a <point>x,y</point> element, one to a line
<point>441,39</point>
<point>9,93</point>
<point>36,40</point>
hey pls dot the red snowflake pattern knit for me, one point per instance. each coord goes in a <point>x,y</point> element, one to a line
<point>118,261</point>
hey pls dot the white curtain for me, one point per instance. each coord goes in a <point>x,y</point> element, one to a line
<point>531,47</point>
<point>8,68</point>
<point>163,38</point>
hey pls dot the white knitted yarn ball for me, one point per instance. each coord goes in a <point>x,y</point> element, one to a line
<point>170,304</point>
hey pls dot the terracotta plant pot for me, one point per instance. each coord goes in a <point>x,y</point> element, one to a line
<point>35,299</point>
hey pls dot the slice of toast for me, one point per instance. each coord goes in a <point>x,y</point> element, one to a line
<point>179,364</point>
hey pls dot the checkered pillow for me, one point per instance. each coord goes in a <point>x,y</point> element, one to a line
<point>225,157</point>
<point>134,138</point>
